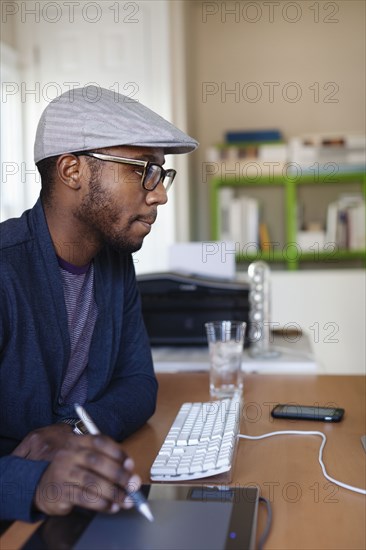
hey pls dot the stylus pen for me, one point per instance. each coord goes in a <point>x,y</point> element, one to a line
<point>136,496</point>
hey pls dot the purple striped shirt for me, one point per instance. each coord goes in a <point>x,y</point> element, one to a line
<point>78,284</point>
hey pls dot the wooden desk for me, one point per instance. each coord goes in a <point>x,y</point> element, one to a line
<point>308,511</point>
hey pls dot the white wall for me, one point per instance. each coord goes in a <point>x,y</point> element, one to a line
<point>330,308</point>
<point>12,189</point>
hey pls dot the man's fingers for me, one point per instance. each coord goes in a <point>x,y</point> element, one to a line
<point>96,472</point>
<point>129,464</point>
<point>102,443</point>
<point>93,488</point>
<point>89,471</point>
<point>69,496</point>
<point>100,453</point>
<point>104,467</point>
<point>22,450</point>
<point>83,488</point>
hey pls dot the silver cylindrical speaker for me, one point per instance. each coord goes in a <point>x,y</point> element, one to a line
<point>260,311</point>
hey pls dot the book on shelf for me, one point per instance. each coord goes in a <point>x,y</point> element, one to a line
<point>238,218</point>
<point>250,222</point>
<point>242,136</point>
<point>346,222</point>
<point>264,237</point>
<point>357,229</point>
<point>331,223</point>
<point>226,196</point>
<point>236,221</point>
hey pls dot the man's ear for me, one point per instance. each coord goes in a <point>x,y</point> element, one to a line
<point>69,169</point>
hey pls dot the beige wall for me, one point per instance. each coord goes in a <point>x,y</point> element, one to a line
<point>258,44</point>
<point>7,27</point>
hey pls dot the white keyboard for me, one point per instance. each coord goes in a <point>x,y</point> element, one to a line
<point>200,442</point>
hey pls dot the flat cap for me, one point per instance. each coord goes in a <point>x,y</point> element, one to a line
<point>92,117</point>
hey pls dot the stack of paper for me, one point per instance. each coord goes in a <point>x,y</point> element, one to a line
<point>322,152</point>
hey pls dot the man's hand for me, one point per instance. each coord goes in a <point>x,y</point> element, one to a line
<point>43,443</point>
<point>91,472</point>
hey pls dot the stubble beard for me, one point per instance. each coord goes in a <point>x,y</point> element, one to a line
<point>100,215</point>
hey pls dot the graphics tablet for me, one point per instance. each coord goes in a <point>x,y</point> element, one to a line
<point>186,518</point>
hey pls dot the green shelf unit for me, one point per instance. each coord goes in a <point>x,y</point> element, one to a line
<point>290,255</point>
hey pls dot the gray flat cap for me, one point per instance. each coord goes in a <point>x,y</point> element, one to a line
<point>93,117</point>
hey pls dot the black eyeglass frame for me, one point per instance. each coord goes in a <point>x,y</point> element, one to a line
<point>145,164</point>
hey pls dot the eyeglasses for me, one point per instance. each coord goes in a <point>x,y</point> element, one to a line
<point>151,174</point>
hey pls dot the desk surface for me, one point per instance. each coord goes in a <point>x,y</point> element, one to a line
<point>308,511</point>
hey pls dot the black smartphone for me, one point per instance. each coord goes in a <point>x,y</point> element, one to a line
<point>304,412</point>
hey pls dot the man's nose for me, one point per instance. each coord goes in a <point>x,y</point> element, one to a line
<point>158,195</point>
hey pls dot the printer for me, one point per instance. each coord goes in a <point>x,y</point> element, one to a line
<point>175,306</point>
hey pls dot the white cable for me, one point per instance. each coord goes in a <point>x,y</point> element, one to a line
<point>320,457</point>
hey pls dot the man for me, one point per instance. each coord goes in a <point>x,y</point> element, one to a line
<point>71,328</point>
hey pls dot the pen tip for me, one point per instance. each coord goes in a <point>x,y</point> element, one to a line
<point>145,510</point>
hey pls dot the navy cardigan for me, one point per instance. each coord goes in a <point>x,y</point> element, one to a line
<point>35,347</point>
